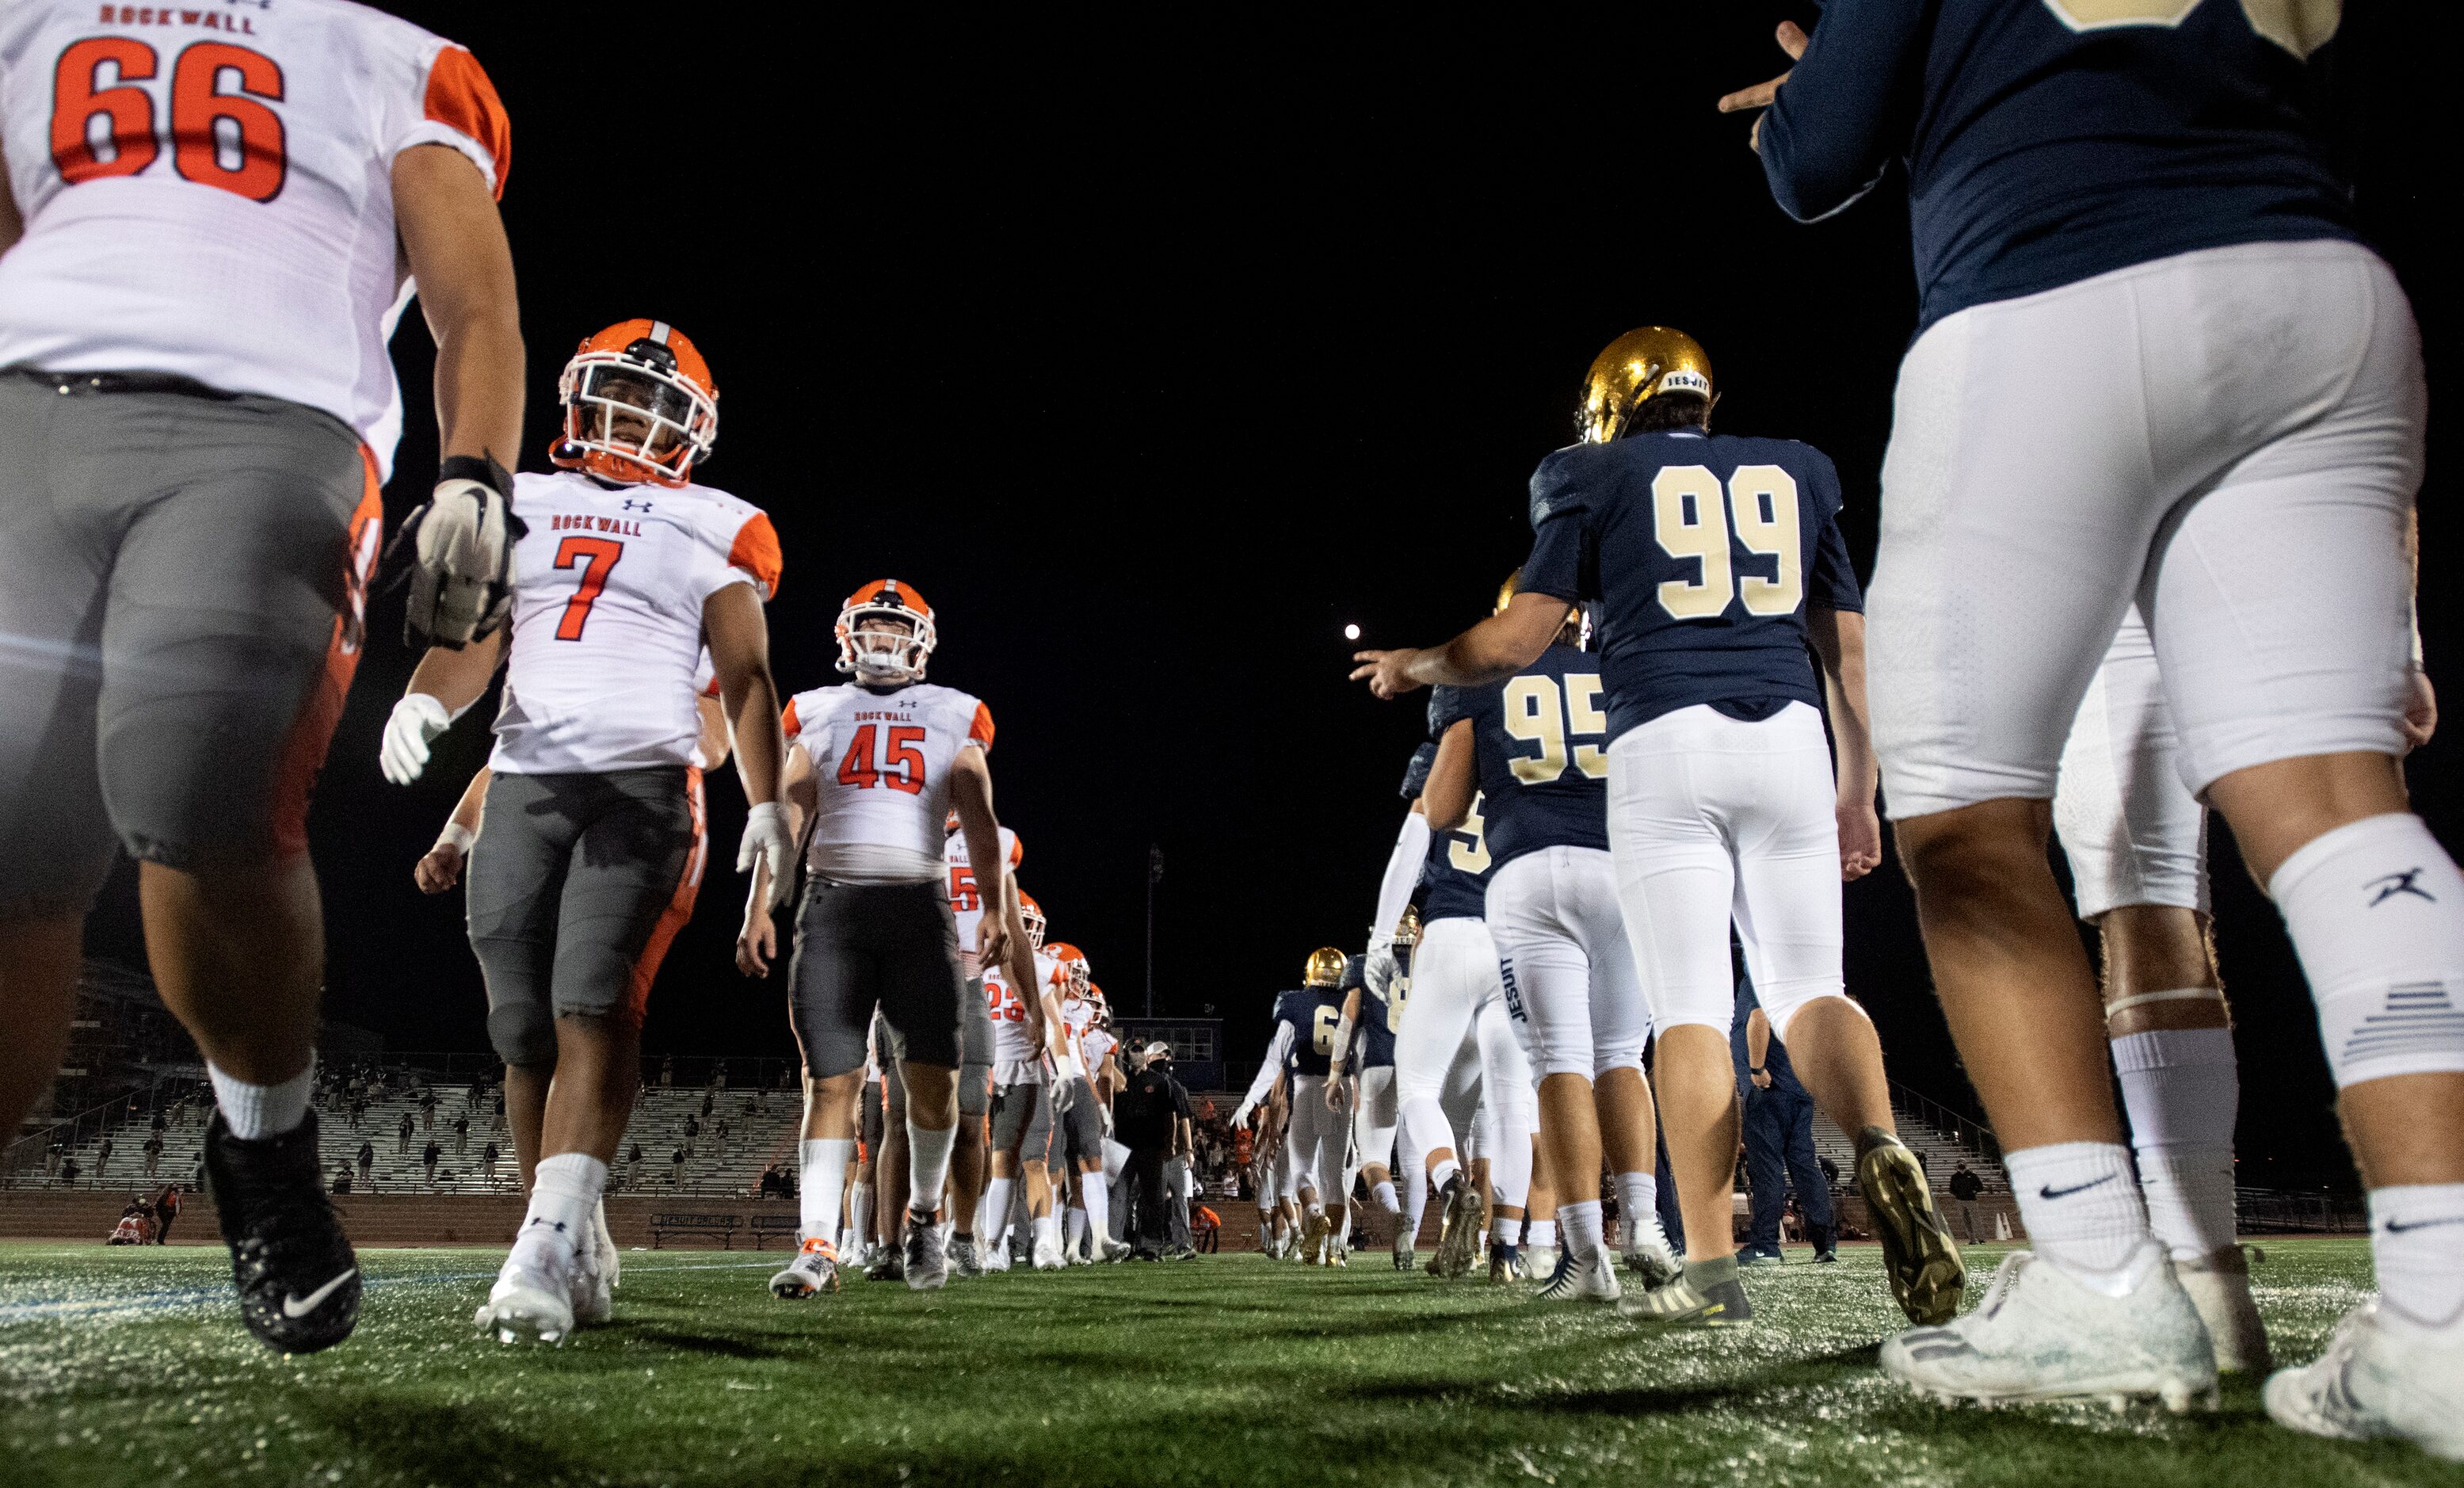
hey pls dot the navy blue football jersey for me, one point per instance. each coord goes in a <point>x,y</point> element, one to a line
<point>1541,742</point>
<point>1313,1011</point>
<point>2049,140</point>
<point>1704,551</point>
<point>1454,877</point>
<point>1376,1028</point>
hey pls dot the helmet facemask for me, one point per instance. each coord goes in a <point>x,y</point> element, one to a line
<point>885,645</point>
<point>631,417</point>
<point>1033,914</point>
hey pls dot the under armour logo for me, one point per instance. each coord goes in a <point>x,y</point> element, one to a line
<point>631,505</point>
<point>2393,884</point>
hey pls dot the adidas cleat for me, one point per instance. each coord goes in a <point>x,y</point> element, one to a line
<point>815,1269</point>
<point>2378,1379</point>
<point>1927,1277</point>
<point>1706,1295</point>
<point>2041,1334</point>
<point>1651,1256</point>
<point>298,1279</point>
<point>1317,1233</point>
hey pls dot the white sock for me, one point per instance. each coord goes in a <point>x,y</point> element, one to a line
<point>822,1165</point>
<point>1415,1197</point>
<point>1074,1227</point>
<point>995,1207</point>
<point>1312,1209</point>
<point>1047,1229</point>
<point>564,1196</point>
<point>2417,1240</point>
<point>1384,1195</point>
<point>2376,911</point>
<point>1099,1206</point>
<point>928,1160</point>
<point>1582,1225</point>
<point>1637,1206</point>
<point>1541,1234</point>
<point>1504,1231</point>
<point>2080,1203</point>
<point>2182,1090</point>
<point>256,1112</point>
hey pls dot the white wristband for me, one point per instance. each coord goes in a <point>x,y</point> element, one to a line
<point>458,837</point>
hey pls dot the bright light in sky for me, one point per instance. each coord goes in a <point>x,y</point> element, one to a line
<point>1351,632</point>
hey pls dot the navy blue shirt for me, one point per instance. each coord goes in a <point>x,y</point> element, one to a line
<point>1312,1012</point>
<point>1775,1063</point>
<point>2038,155</point>
<point>1375,1029</point>
<point>1540,740</point>
<point>1704,551</point>
<point>1454,877</point>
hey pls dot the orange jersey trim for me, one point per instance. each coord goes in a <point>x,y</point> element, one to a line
<point>461,97</point>
<point>679,910</point>
<point>789,723</point>
<point>980,731</point>
<point>755,551</point>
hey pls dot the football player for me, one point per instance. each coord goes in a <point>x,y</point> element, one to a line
<point>1078,1137</point>
<point>1521,747</point>
<point>1301,1046</point>
<point>879,763</point>
<point>592,857</point>
<point>1361,1074</point>
<point>1026,1030</point>
<point>208,243</point>
<point>1457,1051</point>
<point>976,1037</point>
<point>2130,208</point>
<point>1717,561</point>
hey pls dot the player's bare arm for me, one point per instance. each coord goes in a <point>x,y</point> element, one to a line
<point>971,796</point>
<point>1791,40</point>
<point>1490,651</point>
<point>454,242</point>
<point>1336,1094</point>
<point>2421,699</point>
<point>441,688</point>
<point>1454,779</point>
<point>757,943</point>
<point>440,868</point>
<point>1758,1048</point>
<point>1838,638</point>
<point>716,742</point>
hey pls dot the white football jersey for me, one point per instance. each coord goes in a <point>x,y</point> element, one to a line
<point>1017,1055</point>
<point>208,190</point>
<point>608,592</point>
<point>1094,1047</point>
<point>882,763</point>
<point>966,898</point>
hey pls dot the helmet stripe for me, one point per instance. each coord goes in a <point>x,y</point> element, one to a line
<point>660,330</point>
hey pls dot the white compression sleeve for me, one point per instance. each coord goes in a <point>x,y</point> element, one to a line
<point>1402,876</point>
<point>1267,1070</point>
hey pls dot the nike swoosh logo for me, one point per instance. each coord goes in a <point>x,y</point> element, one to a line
<point>2399,1227</point>
<point>295,1307</point>
<point>2054,1192</point>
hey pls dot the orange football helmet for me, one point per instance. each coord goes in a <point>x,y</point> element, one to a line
<point>1033,914</point>
<point>1071,962</point>
<point>640,407</point>
<point>885,633</point>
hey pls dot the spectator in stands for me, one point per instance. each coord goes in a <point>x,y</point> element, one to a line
<point>69,1172</point>
<point>428,1109</point>
<point>709,1099</point>
<point>667,1071</point>
<point>677,1169</point>
<point>488,1164</point>
<point>497,1122</point>
<point>692,1129</point>
<point>368,1161</point>
<point>160,1125</point>
<point>634,1162</point>
<point>721,1136</point>
<point>461,1136</point>
<point>166,1208</point>
<point>153,1155</point>
<point>1965,1186</point>
<point>402,1146</point>
<point>53,1155</point>
<point>101,1159</point>
<point>342,1177</point>
<point>428,1158</point>
<point>719,1075</point>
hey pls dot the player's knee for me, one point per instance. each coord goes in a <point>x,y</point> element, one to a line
<point>1975,851</point>
<point>1782,1001</point>
<point>522,1034</point>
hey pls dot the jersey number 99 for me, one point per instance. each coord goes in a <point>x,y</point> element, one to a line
<point>1692,520</point>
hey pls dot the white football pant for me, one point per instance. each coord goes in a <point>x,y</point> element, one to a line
<point>2133,832</point>
<point>1313,1145</point>
<point>1458,1049</point>
<point>1569,975</point>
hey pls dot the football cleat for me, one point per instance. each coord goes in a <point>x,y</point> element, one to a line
<point>886,1265</point>
<point>610,1261</point>
<point>1113,1251</point>
<point>1591,1276</point>
<point>592,1295</point>
<point>1651,1256</point>
<point>962,1256</point>
<point>1047,1253</point>
<point>1460,1227</point>
<point>1540,1262</point>
<point>2378,1379</point>
<point>925,1267</point>
<point>815,1269</point>
<point>1335,1253</point>
<point>996,1257</point>
<point>2219,1288</point>
<point>1405,1236</point>
<point>1317,1233</point>
<point>2041,1334</point>
<point>297,1280</point>
<point>532,1297</point>
<point>1505,1265</point>
<point>1927,1277</point>
<point>1707,1295</point>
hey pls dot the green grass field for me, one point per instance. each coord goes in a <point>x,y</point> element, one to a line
<point>129,1368</point>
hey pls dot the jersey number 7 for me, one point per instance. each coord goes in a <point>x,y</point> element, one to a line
<point>598,557</point>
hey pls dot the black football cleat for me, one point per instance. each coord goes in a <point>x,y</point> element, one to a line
<point>299,1282</point>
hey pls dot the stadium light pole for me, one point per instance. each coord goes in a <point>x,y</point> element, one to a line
<point>1155,876</point>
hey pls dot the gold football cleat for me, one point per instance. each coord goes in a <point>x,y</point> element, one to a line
<point>1928,1276</point>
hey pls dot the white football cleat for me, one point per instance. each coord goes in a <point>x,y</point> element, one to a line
<point>815,1269</point>
<point>1539,1262</point>
<point>994,1257</point>
<point>2039,1334</point>
<point>1651,1256</point>
<point>1047,1253</point>
<point>2378,1378</point>
<point>1587,1277</point>
<point>592,1293</point>
<point>610,1261</point>
<point>1115,1251</point>
<point>2219,1288</point>
<point>532,1297</point>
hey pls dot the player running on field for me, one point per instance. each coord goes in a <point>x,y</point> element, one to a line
<point>592,854</point>
<point>2133,204</point>
<point>209,239</point>
<point>880,764</point>
<point>1717,562</point>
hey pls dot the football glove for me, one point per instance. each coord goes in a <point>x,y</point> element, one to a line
<point>1378,973</point>
<point>767,839</point>
<point>460,543</point>
<point>414,724</point>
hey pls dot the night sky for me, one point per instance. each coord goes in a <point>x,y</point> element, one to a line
<point>1153,352</point>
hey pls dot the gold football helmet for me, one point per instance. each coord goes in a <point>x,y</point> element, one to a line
<point>1638,366</point>
<point>1324,968</point>
<point>1407,930</point>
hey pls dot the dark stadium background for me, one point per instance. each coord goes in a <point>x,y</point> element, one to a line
<point>1154,351</point>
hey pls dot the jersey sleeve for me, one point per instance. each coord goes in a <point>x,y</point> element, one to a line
<point>1848,109</point>
<point>1834,577</point>
<point>1416,774</point>
<point>1562,564</point>
<point>979,727</point>
<point>734,552</point>
<point>453,103</point>
<point>1448,706</point>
